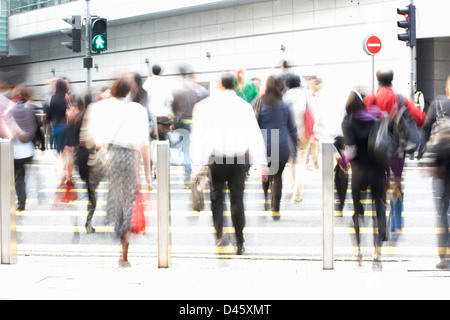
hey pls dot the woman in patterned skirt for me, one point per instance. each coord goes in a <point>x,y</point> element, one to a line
<point>122,127</point>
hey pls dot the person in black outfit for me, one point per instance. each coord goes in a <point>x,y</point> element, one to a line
<point>91,171</point>
<point>57,114</point>
<point>365,171</point>
<point>441,177</point>
<point>276,117</point>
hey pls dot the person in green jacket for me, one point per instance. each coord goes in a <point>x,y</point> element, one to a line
<point>243,88</point>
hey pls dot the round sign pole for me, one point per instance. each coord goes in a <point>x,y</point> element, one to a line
<point>372,46</point>
<point>373,73</point>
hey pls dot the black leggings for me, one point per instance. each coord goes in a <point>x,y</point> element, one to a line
<point>277,187</point>
<point>364,177</point>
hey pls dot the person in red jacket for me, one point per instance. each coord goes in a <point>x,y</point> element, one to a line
<point>386,99</point>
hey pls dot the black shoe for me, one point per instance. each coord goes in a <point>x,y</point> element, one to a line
<point>443,265</point>
<point>276,215</point>
<point>376,264</point>
<point>90,229</point>
<point>223,240</point>
<point>240,249</point>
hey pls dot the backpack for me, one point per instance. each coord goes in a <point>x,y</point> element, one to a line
<point>410,137</point>
<point>383,142</point>
<point>440,133</point>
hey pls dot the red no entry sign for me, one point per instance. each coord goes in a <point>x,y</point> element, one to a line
<point>372,45</point>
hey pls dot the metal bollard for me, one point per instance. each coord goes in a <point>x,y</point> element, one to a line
<point>8,233</point>
<point>163,180</point>
<point>328,204</point>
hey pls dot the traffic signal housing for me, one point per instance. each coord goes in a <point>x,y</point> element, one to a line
<point>99,35</point>
<point>409,24</point>
<point>74,33</point>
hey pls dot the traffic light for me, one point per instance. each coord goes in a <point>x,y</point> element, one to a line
<point>409,24</point>
<point>74,33</point>
<point>99,38</point>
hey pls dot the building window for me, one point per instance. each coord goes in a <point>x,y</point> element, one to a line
<point>20,6</point>
<point>3,26</point>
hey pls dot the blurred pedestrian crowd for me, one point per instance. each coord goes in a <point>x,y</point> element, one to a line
<point>220,137</point>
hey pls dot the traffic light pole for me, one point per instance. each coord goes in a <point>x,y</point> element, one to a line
<point>413,72</point>
<point>413,66</point>
<point>88,59</point>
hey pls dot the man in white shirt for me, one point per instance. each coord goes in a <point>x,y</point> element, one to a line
<point>160,99</point>
<point>224,130</point>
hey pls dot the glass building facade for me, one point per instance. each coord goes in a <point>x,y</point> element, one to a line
<point>3,26</point>
<point>20,6</point>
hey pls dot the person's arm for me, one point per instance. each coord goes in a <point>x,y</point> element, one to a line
<point>431,119</point>
<point>257,148</point>
<point>292,127</point>
<point>146,157</point>
<point>349,140</point>
<point>418,115</point>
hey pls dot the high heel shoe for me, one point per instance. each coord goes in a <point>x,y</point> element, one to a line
<point>359,259</point>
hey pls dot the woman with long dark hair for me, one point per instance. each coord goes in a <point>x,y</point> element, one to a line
<point>275,118</point>
<point>366,172</point>
<point>57,114</point>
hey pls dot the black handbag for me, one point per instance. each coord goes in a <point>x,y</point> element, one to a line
<point>198,198</point>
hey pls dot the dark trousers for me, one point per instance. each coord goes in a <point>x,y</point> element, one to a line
<point>363,178</point>
<point>234,175</point>
<point>19,174</point>
<point>396,169</point>
<point>92,175</point>
<point>441,190</point>
<point>276,182</point>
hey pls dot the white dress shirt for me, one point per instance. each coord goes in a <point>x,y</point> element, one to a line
<point>224,125</point>
<point>159,96</point>
<point>116,121</point>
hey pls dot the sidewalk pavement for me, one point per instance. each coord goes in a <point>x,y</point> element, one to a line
<point>74,278</point>
<point>41,277</point>
<point>49,157</point>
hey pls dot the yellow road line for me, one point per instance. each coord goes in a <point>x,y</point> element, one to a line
<point>300,213</point>
<point>208,230</point>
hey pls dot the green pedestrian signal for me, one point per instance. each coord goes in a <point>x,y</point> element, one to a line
<point>99,35</point>
<point>99,43</point>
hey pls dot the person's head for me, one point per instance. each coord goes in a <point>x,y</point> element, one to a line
<point>257,83</point>
<point>185,71</point>
<point>285,65</point>
<point>293,81</point>
<point>240,75</point>
<point>22,91</point>
<point>121,88</point>
<point>137,79</point>
<point>385,77</point>
<point>315,84</point>
<point>228,81</point>
<point>67,83</point>
<point>105,93</point>
<point>156,70</point>
<point>60,87</point>
<point>355,102</point>
<point>274,91</point>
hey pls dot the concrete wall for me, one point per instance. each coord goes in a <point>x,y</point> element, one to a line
<point>433,66</point>
<point>322,38</point>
